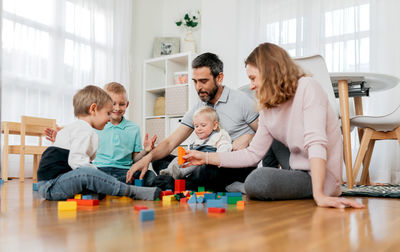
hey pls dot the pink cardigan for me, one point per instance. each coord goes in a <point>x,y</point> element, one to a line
<point>307,125</point>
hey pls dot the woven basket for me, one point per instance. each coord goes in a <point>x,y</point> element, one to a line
<point>159,106</point>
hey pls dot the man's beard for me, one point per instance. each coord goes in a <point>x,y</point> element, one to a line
<point>210,95</point>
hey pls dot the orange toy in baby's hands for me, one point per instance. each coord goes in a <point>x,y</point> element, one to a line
<point>181,153</point>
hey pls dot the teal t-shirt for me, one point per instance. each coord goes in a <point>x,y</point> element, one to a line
<point>117,144</point>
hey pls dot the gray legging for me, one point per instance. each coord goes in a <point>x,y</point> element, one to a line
<point>266,183</point>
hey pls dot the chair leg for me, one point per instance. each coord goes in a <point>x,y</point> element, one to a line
<point>4,167</point>
<point>361,152</point>
<point>367,159</point>
<point>35,167</point>
<point>22,166</point>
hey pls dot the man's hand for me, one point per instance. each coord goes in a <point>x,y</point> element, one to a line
<point>141,165</point>
<point>148,145</point>
<point>242,142</point>
<point>52,133</point>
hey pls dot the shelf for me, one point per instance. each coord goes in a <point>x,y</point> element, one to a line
<point>157,91</point>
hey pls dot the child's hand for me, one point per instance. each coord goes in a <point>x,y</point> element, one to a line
<point>194,157</point>
<point>336,202</point>
<point>52,133</point>
<point>148,145</point>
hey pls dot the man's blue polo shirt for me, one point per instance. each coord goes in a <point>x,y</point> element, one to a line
<point>117,144</point>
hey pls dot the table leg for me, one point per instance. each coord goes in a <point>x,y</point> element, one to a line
<point>344,112</point>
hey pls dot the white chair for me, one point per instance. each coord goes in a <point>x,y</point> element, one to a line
<point>375,128</point>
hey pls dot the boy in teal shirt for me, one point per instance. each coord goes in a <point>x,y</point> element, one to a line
<point>119,142</point>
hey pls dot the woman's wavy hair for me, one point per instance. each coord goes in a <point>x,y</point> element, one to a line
<point>279,74</point>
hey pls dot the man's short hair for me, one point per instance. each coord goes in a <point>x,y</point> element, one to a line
<point>115,87</point>
<point>210,60</point>
<point>88,95</point>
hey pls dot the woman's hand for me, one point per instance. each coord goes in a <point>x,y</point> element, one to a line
<point>336,202</point>
<point>148,145</point>
<point>194,157</point>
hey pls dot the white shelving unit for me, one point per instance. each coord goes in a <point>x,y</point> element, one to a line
<point>159,80</point>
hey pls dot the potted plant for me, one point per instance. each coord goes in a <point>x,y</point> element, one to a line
<point>189,22</point>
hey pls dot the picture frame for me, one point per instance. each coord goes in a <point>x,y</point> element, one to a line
<point>166,46</point>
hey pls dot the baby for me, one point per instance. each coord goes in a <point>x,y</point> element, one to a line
<point>209,137</point>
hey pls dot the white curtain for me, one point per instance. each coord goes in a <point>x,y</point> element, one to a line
<point>51,48</point>
<point>352,35</point>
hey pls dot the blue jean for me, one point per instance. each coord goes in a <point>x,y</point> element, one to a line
<point>120,174</point>
<point>79,180</point>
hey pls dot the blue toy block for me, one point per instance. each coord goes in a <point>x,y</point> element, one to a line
<point>233,194</point>
<point>208,196</point>
<point>1,181</point>
<point>87,197</point>
<point>35,187</point>
<point>220,194</point>
<point>138,182</point>
<point>192,200</point>
<point>224,199</point>
<point>146,215</point>
<point>215,203</point>
<point>200,199</point>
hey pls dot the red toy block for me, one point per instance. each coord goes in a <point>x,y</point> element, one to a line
<point>216,210</point>
<point>83,202</point>
<point>179,185</point>
<point>139,207</point>
<point>183,200</point>
<point>165,193</point>
<point>181,153</point>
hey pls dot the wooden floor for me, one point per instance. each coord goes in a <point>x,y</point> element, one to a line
<point>28,223</point>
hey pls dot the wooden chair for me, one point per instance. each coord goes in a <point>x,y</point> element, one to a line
<point>29,126</point>
<point>375,128</point>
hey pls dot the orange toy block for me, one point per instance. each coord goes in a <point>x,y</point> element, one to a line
<point>240,203</point>
<point>181,153</point>
<point>139,207</point>
<point>183,200</point>
<point>83,202</point>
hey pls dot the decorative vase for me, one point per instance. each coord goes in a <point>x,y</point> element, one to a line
<point>189,43</point>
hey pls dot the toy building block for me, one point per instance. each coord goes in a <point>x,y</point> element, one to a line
<point>181,153</point>
<point>35,187</point>
<point>224,199</point>
<point>1,181</point>
<point>165,193</point>
<point>146,215</point>
<point>138,182</point>
<point>233,200</point>
<point>179,185</point>
<point>216,210</point>
<point>87,197</point>
<point>169,198</point>
<point>233,194</point>
<point>200,199</point>
<point>183,200</point>
<point>67,205</point>
<point>208,196</point>
<point>192,200</point>
<point>201,189</point>
<point>179,196</point>
<point>215,203</point>
<point>78,196</point>
<point>83,202</point>
<point>140,207</point>
<point>240,203</point>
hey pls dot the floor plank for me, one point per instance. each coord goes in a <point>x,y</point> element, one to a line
<point>33,224</point>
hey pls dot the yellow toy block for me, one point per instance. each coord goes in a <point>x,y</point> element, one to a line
<point>78,196</point>
<point>67,205</point>
<point>168,198</point>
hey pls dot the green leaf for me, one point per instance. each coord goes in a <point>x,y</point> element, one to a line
<point>186,17</point>
<point>179,23</point>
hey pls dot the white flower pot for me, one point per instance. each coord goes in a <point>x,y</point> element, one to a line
<point>189,43</point>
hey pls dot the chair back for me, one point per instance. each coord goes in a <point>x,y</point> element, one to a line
<point>316,66</point>
<point>35,126</point>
